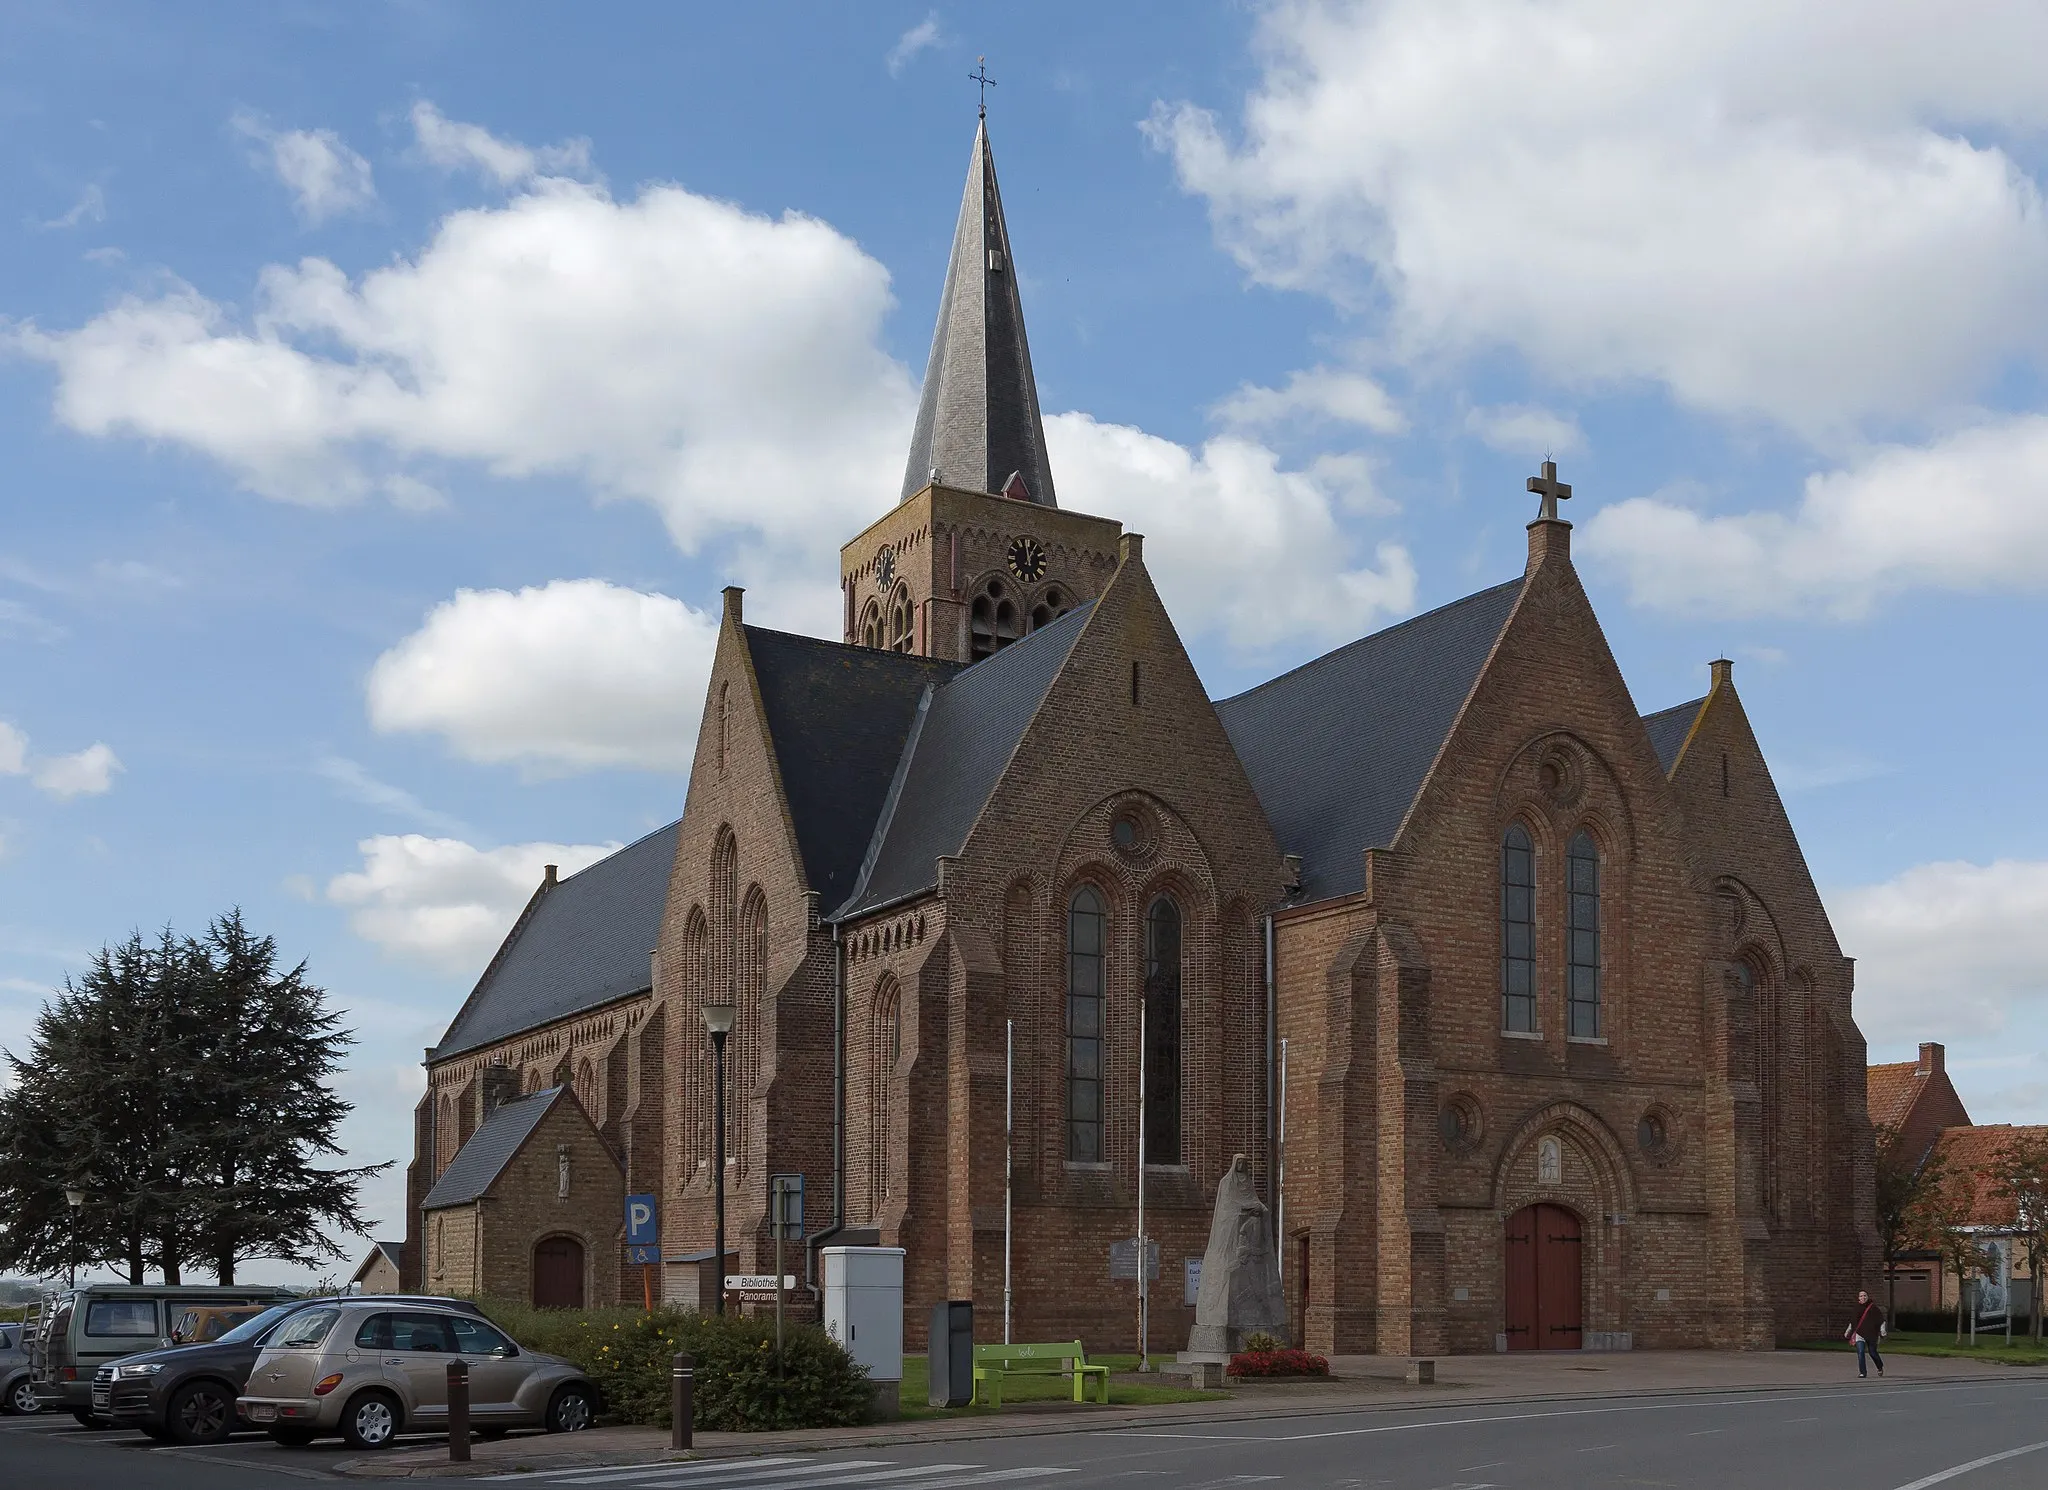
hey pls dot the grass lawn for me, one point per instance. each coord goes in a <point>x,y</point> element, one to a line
<point>2021,1352</point>
<point>916,1389</point>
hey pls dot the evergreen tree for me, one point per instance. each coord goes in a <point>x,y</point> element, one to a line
<point>183,1085</point>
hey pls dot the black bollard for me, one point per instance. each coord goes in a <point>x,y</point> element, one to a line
<point>682,1405</point>
<point>458,1412</point>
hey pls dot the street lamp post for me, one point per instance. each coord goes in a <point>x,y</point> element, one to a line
<point>74,1198</point>
<point>718,1020</point>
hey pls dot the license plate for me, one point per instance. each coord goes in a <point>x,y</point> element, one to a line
<point>101,1396</point>
<point>262,1414</point>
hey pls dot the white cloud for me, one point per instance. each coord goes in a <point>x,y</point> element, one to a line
<point>1519,429</point>
<point>13,750</point>
<point>921,37</point>
<point>87,773</point>
<point>91,206</point>
<point>454,146</point>
<point>1315,393</point>
<point>1949,951</point>
<point>443,902</point>
<point>324,176</point>
<point>1237,546</point>
<point>1967,512</point>
<point>1799,213</point>
<point>721,366</point>
<point>573,675</point>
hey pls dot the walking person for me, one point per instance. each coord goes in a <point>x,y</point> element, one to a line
<point>1868,1329</point>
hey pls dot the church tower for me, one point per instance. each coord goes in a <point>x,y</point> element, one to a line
<point>977,552</point>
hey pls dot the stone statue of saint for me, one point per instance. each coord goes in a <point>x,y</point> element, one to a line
<point>1240,1291</point>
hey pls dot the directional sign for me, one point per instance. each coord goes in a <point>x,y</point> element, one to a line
<point>643,1221</point>
<point>756,1282</point>
<point>643,1255</point>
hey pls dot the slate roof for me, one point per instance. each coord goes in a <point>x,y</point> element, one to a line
<point>477,1165</point>
<point>1338,748</point>
<point>1669,727</point>
<point>963,737</point>
<point>584,943</point>
<point>391,1252</point>
<point>838,717</point>
<point>977,417</point>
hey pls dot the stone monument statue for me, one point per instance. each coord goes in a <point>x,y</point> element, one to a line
<point>1240,1290</point>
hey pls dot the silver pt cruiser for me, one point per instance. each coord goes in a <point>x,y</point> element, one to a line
<point>370,1373</point>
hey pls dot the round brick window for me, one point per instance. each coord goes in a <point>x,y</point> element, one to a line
<point>1461,1124</point>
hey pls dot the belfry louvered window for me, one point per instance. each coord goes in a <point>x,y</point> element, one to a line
<point>1517,932</point>
<point>1582,937</point>
<point>1086,924</point>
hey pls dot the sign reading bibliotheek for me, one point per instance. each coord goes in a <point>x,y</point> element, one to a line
<point>757,1282</point>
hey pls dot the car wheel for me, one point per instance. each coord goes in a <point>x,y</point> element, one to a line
<point>370,1421</point>
<point>202,1412</point>
<point>292,1438</point>
<point>85,1418</point>
<point>21,1398</point>
<point>572,1410</point>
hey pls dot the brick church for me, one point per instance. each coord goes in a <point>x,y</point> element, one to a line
<point>1560,1029</point>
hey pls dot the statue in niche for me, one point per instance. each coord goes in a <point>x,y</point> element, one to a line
<point>1240,1291</point>
<point>562,1172</point>
<point>1550,1162</point>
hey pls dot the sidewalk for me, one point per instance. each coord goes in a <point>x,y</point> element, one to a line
<point>1359,1383</point>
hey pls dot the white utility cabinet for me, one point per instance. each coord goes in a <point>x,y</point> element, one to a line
<point>864,1306</point>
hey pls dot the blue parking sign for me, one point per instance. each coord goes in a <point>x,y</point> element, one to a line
<point>643,1221</point>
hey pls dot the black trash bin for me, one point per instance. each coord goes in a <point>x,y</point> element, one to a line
<point>951,1353</point>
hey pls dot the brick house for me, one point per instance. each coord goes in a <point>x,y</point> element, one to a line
<point>1568,1051</point>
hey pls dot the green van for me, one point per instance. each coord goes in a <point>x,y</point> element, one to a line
<point>78,1330</point>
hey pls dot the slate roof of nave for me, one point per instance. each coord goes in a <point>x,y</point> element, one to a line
<point>1668,729</point>
<point>965,733</point>
<point>584,943</point>
<point>838,716</point>
<point>1338,748</point>
<point>478,1163</point>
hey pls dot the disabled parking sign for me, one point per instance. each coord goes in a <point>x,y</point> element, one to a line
<point>643,1229</point>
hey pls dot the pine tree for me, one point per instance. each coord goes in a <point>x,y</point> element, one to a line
<point>184,1086</point>
<point>258,1108</point>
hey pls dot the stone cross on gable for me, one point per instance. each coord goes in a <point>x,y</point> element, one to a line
<point>1551,490</point>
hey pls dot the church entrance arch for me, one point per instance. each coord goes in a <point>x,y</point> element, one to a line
<point>558,1273</point>
<point>1545,1253</point>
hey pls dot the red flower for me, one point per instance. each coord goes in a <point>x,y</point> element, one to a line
<point>1278,1363</point>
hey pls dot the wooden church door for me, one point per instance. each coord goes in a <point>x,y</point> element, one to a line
<point>1545,1278</point>
<point>558,1274</point>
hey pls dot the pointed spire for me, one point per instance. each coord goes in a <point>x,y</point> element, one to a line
<point>978,424</point>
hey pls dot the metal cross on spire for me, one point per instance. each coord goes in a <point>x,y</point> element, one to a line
<point>980,75</point>
<point>1551,489</point>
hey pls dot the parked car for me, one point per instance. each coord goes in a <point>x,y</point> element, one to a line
<point>208,1322</point>
<point>370,1371</point>
<point>17,1392</point>
<point>187,1394</point>
<point>81,1329</point>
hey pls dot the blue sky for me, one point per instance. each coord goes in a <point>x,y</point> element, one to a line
<point>388,390</point>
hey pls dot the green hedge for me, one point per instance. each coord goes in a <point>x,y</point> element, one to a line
<point>739,1387</point>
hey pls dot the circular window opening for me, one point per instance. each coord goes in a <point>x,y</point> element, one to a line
<point>1460,1124</point>
<point>1124,833</point>
<point>1653,1136</point>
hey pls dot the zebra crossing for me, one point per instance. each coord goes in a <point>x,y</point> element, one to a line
<point>785,1472</point>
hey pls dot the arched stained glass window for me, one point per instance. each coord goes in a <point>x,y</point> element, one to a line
<point>1582,937</point>
<point>1162,1033</point>
<point>1517,932</point>
<point>1086,928</point>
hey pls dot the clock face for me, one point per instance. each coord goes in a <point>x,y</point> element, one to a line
<point>885,569</point>
<point>1027,560</point>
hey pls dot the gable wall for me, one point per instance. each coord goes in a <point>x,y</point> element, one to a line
<point>1809,1142</point>
<point>1090,756</point>
<point>525,1205</point>
<point>778,1060</point>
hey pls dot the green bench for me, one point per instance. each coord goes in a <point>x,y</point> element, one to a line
<point>993,1362</point>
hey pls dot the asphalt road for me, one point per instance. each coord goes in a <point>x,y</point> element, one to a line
<point>1875,1435</point>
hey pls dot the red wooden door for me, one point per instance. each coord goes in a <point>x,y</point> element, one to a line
<point>1542,1248</point>
<point>558,1274</point>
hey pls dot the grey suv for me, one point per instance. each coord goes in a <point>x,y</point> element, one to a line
<point>370,1371</point>
<point>187,1394</point>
